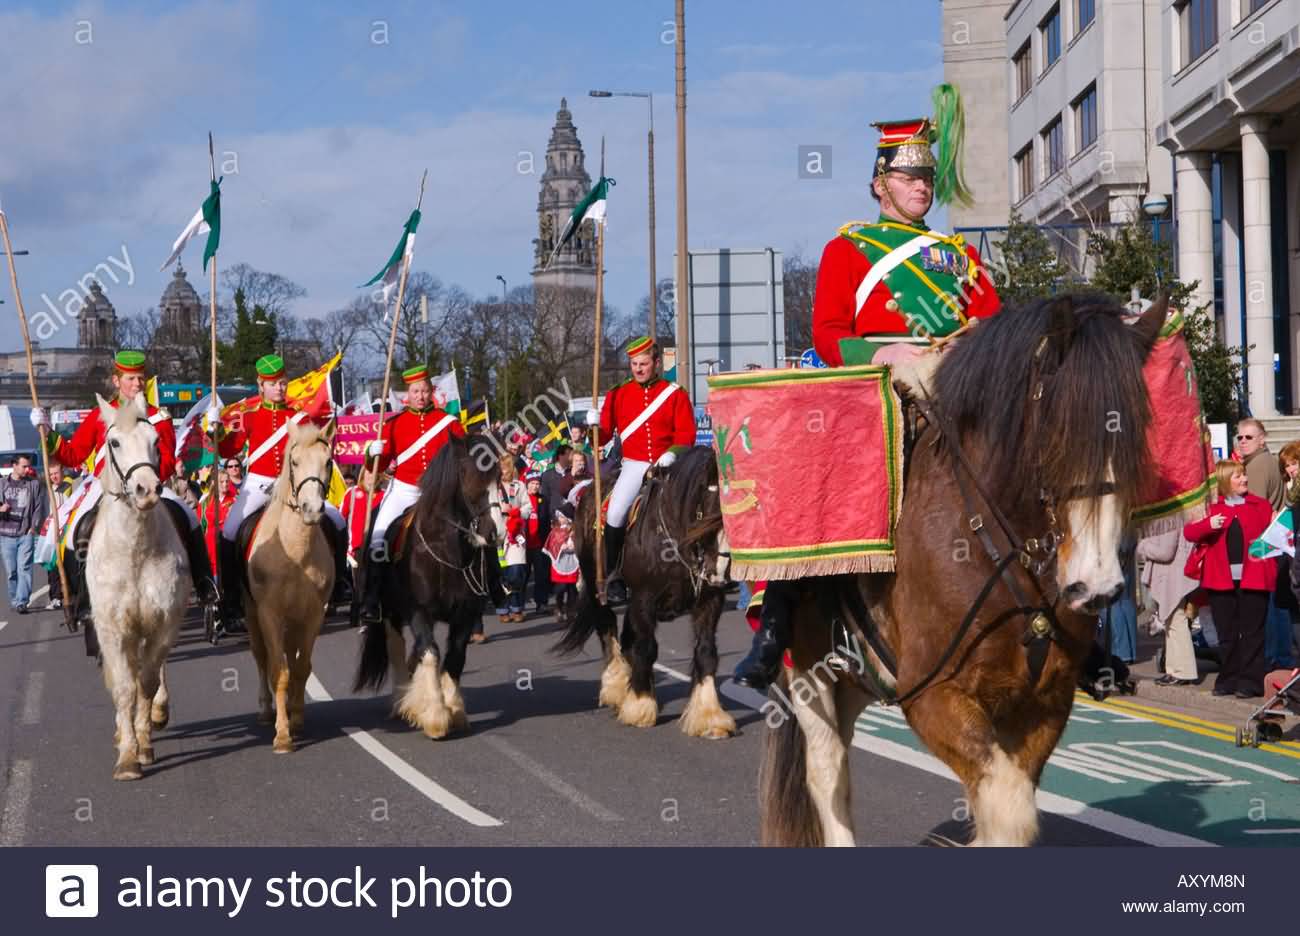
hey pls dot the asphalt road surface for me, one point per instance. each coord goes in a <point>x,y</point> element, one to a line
<point>541,766</point>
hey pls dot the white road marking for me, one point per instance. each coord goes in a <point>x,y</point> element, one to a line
<point>434,791</point>
<point>553,781</point>
<point>18,798</point>
<point>1047,802</point>
<point>32,697</point>
<point>46,637</point>
<point>3,625</point>
<point>1272,831</point>
<point>672,672</point>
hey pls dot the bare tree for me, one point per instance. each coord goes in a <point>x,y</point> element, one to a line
<point>800,287</point>
<point>270,292</point>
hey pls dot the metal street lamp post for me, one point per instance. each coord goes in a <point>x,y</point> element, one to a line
<point>17,253</point>
<point>650,162</point>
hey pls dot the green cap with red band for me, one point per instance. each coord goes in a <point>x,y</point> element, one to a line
<point>415,374</point>
<point>642,345</point>
<point>129,362</point>
<point>270,367</point>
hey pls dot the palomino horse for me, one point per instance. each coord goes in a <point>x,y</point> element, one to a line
<point>137,581</point>
<point>1018,493</point>
<point>675,560</point>
<point>445,569</point>
<point>290,575</point>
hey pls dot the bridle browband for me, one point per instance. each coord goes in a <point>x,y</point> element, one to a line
<point>296,489</point>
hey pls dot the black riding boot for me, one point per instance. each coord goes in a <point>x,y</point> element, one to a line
<point>372,611</point>
<point>615,588</point>
<point>762,665</point>
<point>338,540</point>
<point>196,551</point>
<point>232,588</point>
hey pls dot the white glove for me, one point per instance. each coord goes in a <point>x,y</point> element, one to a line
<point>375,448</point>
<point>606,449</point>
<point>593,418</point>
<point>666,460</point>
<point>40,418</point>
<point>214,416</point>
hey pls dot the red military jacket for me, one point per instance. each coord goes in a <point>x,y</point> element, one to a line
<point>89,439</point>
<point>939,287</point>
<point>253,428</point>
<point>404,429</point>
<point>672,426</point>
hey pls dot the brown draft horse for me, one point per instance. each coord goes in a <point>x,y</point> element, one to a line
<point>675,561</point>
<point>1042,416</point>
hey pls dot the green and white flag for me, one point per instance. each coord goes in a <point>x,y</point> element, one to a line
<point>446,392</point>
<point>1279,538</point>
<point>207,220</point>
<point>591,207</point>
<point>392,270</point>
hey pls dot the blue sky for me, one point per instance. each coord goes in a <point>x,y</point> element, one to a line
<point>328,112</point>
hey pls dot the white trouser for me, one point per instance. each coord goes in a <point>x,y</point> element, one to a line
<point>95,492</point>
<point>398,496</point>
<point>1180,654</point>
<point>252,497</point>
<point>630,475</point>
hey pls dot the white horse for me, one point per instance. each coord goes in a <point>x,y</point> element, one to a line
<point>138,581</point>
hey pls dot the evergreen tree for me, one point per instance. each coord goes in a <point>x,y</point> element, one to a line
<point>1029,268</point>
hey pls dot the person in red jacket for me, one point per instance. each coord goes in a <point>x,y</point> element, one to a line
<point>88,441</point>
<point>885,290</point>
<point>1239,585</point>
<point>213,516</point>
<point>410,440</point>
<point>655,423</point>
<point>264,431</point>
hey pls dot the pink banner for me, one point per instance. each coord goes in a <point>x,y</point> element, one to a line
<point>351,437</point>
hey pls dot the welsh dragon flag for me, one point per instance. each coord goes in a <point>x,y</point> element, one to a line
<point>405,248</point>
<point>207,220</point>
<point>446,393</point>
<point>1279,538</point>
<point>591,207</point>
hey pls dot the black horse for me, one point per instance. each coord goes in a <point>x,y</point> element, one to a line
<point>675,560</point>
<point>443,570</point>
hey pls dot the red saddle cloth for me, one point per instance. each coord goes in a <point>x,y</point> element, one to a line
<point>1177,437</point>
<point>810,470</point>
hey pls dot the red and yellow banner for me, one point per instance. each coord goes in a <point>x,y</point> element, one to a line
<point>1177,437</point>
<point>810,470</point>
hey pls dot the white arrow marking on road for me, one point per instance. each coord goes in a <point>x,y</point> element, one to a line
<point>3,624</point>
<point>434,791</point>
<point>1272,831</point>
<point>1266,771</point>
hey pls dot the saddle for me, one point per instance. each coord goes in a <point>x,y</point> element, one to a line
<point>244,541</point>
<point>632,515</point>
<point>399,534</point>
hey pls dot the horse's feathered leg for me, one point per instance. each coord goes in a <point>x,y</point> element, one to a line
<point>960,733</point>
<point>704,716</point>
<point>459,627</point>
<point>826,759</point>
<point>160,711</point>
<point>120,668</point>
<point>639,708</point>
<point>423,705</point>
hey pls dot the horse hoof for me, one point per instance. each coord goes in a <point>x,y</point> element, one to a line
<point>639,711</point>
<point>159,717</point>
<point>145,757</point>
<point>128,770</point>
<point>283,746</point>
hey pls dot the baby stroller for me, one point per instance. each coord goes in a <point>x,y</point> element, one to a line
<point>1265,723</point>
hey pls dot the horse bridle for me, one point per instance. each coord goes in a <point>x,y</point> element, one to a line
<point>125,476</point>
<point>477,583</point>
<point>296,489</point>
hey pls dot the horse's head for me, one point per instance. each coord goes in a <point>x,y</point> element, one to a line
<point>1054,394</point>
<point>131,441</point>
<point>308,469</point>
<point>480,479</point>
<point>701,506</point>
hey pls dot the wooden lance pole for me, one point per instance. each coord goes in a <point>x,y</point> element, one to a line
<point>55,526</point>
<point>388,374</point>
<point>595,397</point>
<point>214,489</point>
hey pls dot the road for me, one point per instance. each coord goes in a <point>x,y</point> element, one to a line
<point>543,766</point>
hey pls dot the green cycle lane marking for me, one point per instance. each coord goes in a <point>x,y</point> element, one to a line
<point>1166,770</point>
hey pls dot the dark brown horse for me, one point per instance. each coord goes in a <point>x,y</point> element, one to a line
<point>1019,489</point>
<point>675,562</point>
<point>446,568</point>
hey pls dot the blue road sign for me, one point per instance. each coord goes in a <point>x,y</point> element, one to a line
<point>810,359</point>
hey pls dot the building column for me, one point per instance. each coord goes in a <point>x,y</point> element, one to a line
<point>1256,234</point>
<point>1195,218</point>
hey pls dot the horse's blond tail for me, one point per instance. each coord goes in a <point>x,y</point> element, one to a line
<point>787,817</point>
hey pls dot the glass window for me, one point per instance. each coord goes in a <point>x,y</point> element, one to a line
<point>1085,11</point>
<point>1051,30</point>
<point>1024,71</point>
<point>1199,26</point>
<point>1025,171</point>
<point>1054,147</point>
<point>1257,5</point>
<point>1085,119</point>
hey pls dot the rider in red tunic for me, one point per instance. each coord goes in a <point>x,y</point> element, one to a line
<point>885,290</point>
<point>88,441</point>
<point>410,440</point>
<point>655,424</point>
